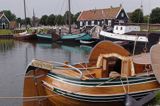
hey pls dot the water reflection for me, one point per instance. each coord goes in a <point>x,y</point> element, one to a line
<point>72,54</point>
<point>6,45</point>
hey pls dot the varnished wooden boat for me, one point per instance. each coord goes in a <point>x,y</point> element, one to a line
<point>108,77</point>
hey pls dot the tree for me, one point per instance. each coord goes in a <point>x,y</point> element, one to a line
<point>43,20</point>
<point>75,17</point>
<point>28,21</point>
<point>155,15</point>
<point>145,19</point>
<point>66,17</point>
<point>137,16</point>
<point>51,20</point>
<point>19,20</point>
<point>59,20</point>
<point>9,15</point>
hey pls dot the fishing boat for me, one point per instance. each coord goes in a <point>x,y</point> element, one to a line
<point>111,75</point>
<point>25,36</point>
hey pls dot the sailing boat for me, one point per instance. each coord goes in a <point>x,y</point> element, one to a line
<point>25,36</point>
<point>74,37</point>
<point>111,75</point>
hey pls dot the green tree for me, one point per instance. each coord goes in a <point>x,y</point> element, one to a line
<point>51,20</point>
<point>75,17</point>
<point>145,19</point>
<point>28,21</point>
<point>137,16</point>
<point>59,20</point>
<point>155,15</point>
<point>9,15</point>
<point>19,20</point>
<point>43,20</point>
<point>66,17</point>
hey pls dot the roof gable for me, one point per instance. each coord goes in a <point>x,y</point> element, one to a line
<point>99,14</point>
<point>3,15</point>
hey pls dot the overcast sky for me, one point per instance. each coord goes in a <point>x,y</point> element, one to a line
<point>42,7</point>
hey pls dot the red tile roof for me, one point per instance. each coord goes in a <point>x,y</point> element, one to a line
<point>99,14</point>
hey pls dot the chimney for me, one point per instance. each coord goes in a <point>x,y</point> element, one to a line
<point>120,5</point>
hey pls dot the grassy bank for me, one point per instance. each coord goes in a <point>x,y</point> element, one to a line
<point>5,32</point>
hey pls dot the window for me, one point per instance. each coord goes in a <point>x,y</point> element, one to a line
<point>92,23</point>
<point>122,14</point>
<point>121,28</point>
<point>86,23</point>
<point>98,22</point>
<point>81,23</point>
<point>109,22</point>
<point>117,28</point>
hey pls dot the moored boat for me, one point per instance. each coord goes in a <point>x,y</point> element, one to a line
<point>47,37</point>
<point>121,33</point>
<point>25,36</point>
<point>75,37</point>
<point>109,76</point>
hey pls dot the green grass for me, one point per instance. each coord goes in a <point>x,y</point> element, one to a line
<point>5,32</point>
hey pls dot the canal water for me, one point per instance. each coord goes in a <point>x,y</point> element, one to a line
<point>16,55</point>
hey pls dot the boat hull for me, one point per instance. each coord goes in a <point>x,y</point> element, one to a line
<point>75,38</point>
<point>64,91</point>
<point>47,37</point>
<point>118,37</point>
<point>25,37</point>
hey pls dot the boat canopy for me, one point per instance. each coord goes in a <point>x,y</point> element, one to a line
<point>106,47</point>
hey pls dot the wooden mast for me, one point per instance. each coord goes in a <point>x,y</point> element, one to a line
<point>69,15</point>
<point>25,13</point>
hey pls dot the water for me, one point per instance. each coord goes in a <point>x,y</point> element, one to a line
<point>15,56</point>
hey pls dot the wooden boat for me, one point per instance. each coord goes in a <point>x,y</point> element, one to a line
<point>108,77</point>
<point>25,36</point>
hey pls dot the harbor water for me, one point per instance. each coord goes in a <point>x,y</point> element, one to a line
<point>15,57</point>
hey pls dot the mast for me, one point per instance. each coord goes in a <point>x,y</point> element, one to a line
<point>69,15</point>
<point>34,18</point>
<point>25,13</point>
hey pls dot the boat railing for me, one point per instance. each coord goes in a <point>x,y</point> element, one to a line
<point>50,66</point>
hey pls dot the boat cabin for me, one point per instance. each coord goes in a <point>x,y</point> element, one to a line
<point>122,29</point>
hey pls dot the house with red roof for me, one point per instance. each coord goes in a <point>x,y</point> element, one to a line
<point>109,16</point>
<point>4,21</point>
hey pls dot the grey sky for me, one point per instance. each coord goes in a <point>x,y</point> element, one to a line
<point>42,7</point>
